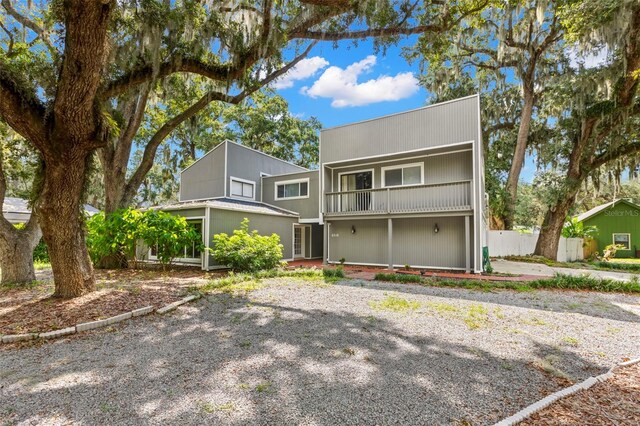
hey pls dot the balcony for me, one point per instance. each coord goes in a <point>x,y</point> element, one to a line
<point>446,197</point>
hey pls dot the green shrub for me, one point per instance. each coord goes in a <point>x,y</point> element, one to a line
<point>247,251</point>
<point>634,267</point>
<point>399,278</point>
<point>333,272</point>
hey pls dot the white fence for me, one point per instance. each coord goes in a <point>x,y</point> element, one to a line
<point>513,243</point>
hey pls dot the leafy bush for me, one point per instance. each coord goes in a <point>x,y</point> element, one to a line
<point>634,267</point>
<point>587,283</point>
<point>247,251</point>
<point>118,235</point>
<point>576,229</point>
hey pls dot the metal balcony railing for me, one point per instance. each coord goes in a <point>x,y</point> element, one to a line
<point>403,199</point>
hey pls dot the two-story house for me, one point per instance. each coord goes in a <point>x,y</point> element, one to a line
<point>406,189</point>
<point>232,182</point>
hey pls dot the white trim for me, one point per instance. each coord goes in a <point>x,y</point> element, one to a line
<point>402,167</point>
<point>413,157</point>
<point>304,169</point>
<point>207,211</point>
<point>290,182</point>
<point>292,213</point>
<point>292,173</point>
<point>264,175</point>
<point>613,238</point>
<point>240,180</point>
<point>226,157</point>
<point>403,112</point>
<point>201,205</point>
<point>314,220</point>
<point>371,157</point>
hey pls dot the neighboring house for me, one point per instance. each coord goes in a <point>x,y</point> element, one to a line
<point>618,222</point>
<point>17,210</point>
<point>232,182</point>
<point>406,189</point>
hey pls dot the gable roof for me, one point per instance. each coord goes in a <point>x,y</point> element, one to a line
<point>594,211</point>
<point>20,205</point>
<point>230,204</point>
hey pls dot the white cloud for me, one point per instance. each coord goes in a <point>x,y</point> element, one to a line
<point>304,69</point>
<point>589,60</point>
<point>342,85</point>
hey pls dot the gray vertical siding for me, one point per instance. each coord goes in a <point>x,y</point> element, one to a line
<point>307,208</point>
<point>227,221</point>
<point>205,177</point>
<point>414,242</point>
<point>245,163</point>
<point>441,124</point>
<point>367,245</point>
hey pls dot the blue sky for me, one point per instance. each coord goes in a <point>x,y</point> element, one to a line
<point>353,83</point>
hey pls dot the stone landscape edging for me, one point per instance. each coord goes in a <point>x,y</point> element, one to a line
<point>91,325</point>
<point>527,412</point>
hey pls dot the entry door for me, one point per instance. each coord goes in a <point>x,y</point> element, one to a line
<point>298,242</point>
<point>357,201</point>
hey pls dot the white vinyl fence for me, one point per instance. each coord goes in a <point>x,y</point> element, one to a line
<point>513,243</point>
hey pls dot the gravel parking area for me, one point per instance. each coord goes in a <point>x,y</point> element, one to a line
<point>304,352</point>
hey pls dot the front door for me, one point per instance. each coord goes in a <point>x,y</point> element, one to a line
<point>298,242</point>
<point>358,181</point>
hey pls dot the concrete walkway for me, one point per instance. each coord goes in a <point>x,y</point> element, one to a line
<point>539,269</point>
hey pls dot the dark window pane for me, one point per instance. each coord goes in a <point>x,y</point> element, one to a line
<point>280,191</point>
<point>304,190</point>
<point>393,177</point>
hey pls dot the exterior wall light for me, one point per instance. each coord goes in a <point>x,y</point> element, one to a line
<point>436,229</point>
<point>353,229</point>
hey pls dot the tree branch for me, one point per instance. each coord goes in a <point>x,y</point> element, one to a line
<point>32,25</point>
<point>151,148</point>
<point>21,110</point>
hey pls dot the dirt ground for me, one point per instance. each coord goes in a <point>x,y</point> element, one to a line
<point>32,309</point>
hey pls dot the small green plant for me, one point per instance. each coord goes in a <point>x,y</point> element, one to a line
<point>247,251</point>
<point>407,267</point>
<point>333,272</point>
<point>476,316</point>
<point>571,341</point>
<point>576,229</point>
<point>263,387</point>
<point>399,278</point>
<point>342,260</point>
<point>395,304</point>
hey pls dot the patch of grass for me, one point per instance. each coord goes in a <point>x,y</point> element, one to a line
<point>442,307</point>
<point>349,351</point>
<point>264,387</point>
<point>245,344</point>
<point>394,304</point>
<point>243,386</point>
<point>533,321</point>
<point>399,278</point>
<point>613,330</point>
<point>30,285</point>
<point>498,313</point>
<point>207,407</point>
<point>570,282</point>
<point>476,316</point>
<point>617,265</point>
<point>333,272</point>
<point>571,341</point>
<point>41,265</point>
<point>547,365</point>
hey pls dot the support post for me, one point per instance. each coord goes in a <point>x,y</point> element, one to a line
<point>325,242</point>
<point>467,244</point>
<point>390,242</point>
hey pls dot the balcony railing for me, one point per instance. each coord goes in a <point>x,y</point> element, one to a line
<point>409,199</point>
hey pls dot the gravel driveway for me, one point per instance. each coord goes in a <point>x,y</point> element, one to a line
<point>301,352</point>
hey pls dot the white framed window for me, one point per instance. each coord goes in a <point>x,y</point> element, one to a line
<point>403,175</point>
<point>623,240</point>
<point>242,188</point>
<point>292,189</point>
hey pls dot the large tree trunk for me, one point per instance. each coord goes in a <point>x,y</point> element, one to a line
<point>63,225</point>
<point>519,153</point>
<point>16,254</point>
<point>551,231</point>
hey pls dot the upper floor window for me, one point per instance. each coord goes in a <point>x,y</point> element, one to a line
<point>406,174</point>
<point>292,189</point>
<point>242,188</point>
